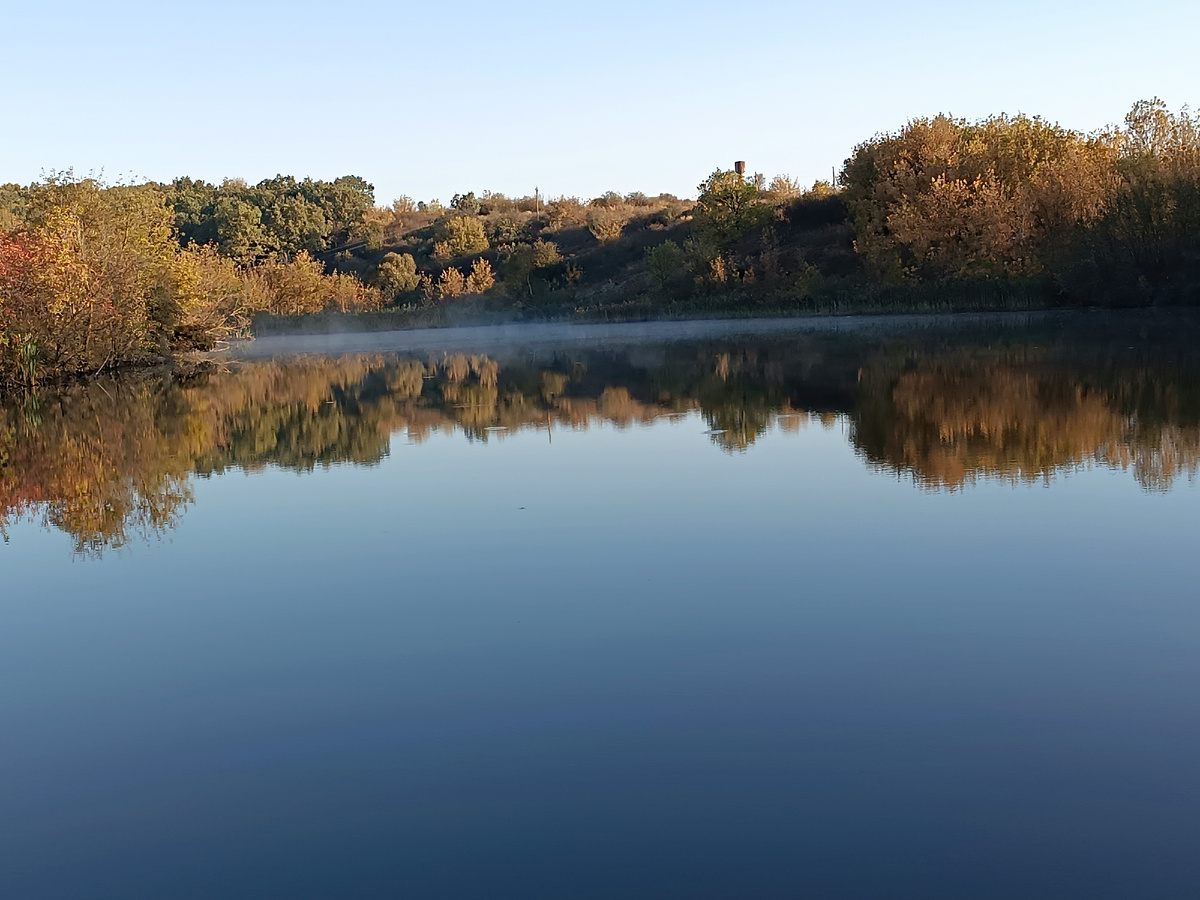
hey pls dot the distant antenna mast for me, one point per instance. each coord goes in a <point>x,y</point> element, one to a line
<point>537,205</point>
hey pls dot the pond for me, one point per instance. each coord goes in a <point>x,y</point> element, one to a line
<point>828,608</point>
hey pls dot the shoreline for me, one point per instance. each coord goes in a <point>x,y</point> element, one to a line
<point>519,336</point>
<point>515,336</point>
<point>452,338</point>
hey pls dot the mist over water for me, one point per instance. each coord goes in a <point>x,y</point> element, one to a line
<point>843,608</point>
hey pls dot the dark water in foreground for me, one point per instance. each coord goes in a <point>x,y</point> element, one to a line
<point>901,611</point>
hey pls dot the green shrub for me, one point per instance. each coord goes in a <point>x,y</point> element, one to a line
<point>664,262</point>
<point>397,273</point>
<point>521,260</point>
<point>460,236</point>
<point>373,227</point>
<point>505,229</point>
<point>545,253</point>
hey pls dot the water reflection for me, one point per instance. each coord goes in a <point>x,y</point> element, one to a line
<point>113,459</point>
<point>950,423</point>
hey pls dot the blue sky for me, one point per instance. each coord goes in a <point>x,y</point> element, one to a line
<point>433,98</point>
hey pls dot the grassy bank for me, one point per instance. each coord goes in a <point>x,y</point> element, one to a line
<point>835,299</point>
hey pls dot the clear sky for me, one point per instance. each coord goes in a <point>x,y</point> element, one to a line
<point>429,99</point>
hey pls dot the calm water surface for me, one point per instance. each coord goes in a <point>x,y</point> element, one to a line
<point>865,610</point>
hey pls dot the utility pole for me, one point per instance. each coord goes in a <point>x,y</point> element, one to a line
<point>537,204</point>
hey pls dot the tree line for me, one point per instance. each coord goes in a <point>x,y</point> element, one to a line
<point>947,213</point>
<point>943,213</point>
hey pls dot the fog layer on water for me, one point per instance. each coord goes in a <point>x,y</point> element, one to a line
<point>560,334</point>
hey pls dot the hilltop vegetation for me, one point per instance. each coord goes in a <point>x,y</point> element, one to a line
<point>942,214</point>
<point>1110,218</point>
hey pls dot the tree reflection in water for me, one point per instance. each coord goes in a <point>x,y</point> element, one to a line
<point>113,460</point>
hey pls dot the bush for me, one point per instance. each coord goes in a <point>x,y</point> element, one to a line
<point>427,289</point>
<point>664,262</point>
<point>606,224</point>
<point>521,260</point>
<point>545,253</point>
<point>397,273</point>
<point>301,287</point>
<point>505,229</point>
<point>451,284</point>
<point>480,278</point>
<point>347,294</point>
<point>215,301</point>
<point>291,288</point>
<point>565,212</point>
<point>608,200</point>
<point>460,236</point>
<point>496,203</point>
<point>466,204</point>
